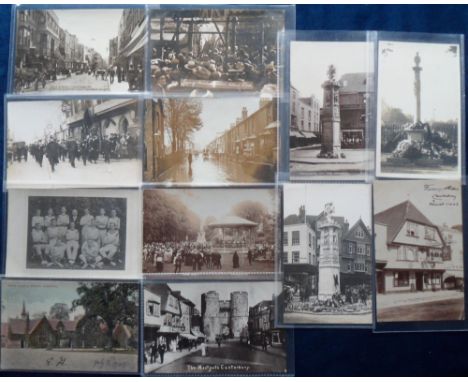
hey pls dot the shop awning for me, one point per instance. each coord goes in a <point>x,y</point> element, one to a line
<point>138,41</point>
<point>198,334</point>
<point>188,336</point>
<point>308,134</point>
<point>165,329</point>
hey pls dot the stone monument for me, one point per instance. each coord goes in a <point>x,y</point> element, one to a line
<point>331,123</point>
<point>329,256</point>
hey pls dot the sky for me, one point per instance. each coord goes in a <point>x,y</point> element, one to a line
<point>440,79</point>
<point>218,202</point>
<point>218,114</point>
<point>310,61</point>
<point>258,291</point>
<point>390,193</point>
<point>28,119</point>
<point>93,27</point>
<point>38,296</point>
<point>352,201</point>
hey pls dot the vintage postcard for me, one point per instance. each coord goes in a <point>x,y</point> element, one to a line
<point>329,98</point>
<point>209,231</point>
<point>327,261</point>
<point>211,141</point>
<point>79,50</point>
<point>63,326</point>
<point>206,50</point>
<point>73,143</point>
<point>212,328</point>
<point>418,229</point>
<point>419,110</point>
<point>89,232</point>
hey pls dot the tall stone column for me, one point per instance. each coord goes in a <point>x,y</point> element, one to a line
<point>331,122</point>
<point>417,87</point>
<point>329,256</point>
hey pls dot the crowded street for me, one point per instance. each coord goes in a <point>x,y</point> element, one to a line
<point>81,82</point>
<point>28,173</point>
<point>231,356</point>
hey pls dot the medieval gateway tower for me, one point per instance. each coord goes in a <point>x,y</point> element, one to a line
<point>224,317</point>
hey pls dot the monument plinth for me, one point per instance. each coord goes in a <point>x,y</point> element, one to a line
<point>331,123</point>
<point>329,256</point>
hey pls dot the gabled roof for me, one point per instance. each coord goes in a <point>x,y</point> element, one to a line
<point>293,219</point>
<point>18,325</point>
<point>354,83</point>
<point>351,230</point>
<point>396,216</point>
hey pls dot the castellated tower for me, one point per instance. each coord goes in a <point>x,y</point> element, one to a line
<point>239,312</point>
<point>210,313</point>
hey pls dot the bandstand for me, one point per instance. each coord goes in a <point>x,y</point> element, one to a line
<point>234,233</point>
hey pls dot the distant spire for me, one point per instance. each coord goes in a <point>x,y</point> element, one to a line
<point>23,311</point>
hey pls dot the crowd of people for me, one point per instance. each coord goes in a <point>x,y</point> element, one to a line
<point>70,240</point>
<point>159,256</point>
<point>215,62</point>
<point>134,76</point>
<point>88,150</point>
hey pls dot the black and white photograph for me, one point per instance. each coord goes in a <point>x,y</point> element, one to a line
<point>62,326</point>
<point>419,251</point>
<point>211,141</point>
<point>76,232</point>
<point>73,143</point>
<point>327,261</point>
<point>79,50</point>
<point>419,110</point>
<point>212,328</point>
<point>189,231</point>
<point>330,84</point>
<point>200,51</point>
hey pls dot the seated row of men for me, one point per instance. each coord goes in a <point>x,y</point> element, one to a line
<point>57,241</point>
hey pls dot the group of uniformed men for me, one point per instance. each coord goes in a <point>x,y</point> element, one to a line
<point>69,240</point>
<point>88,149</point>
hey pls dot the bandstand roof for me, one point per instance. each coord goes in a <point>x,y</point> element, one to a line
<point>232,221</point>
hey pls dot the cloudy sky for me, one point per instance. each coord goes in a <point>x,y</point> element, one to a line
<point>310,61</point>
<point>440,78</point>
<point>93,27</point>
<point>219,202</point>
<point>258,291</point>
<point>38,296</point>
<point>218,114</point>
<point>425,195</point>
<point>352,201</point>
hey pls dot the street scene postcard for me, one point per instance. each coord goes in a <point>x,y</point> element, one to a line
<point>419,250</point>
<point>207,141</point>
<point>209,231</point>
<point>207,328</point>
<point>331,83</point>
<point>79,50</point>
<point>67,326</point>
<point>88,142</point>
<point>326,262</point>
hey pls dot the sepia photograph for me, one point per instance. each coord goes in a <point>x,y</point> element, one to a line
<point>210,141</point>
<point>327,261</point>
<point>212,328</point>
<point>200,51</point>
<point>62,326</point>
<point>419,110</point>
<point>207,231</point>
<point>79,50</point>
<point>96,233</point>
<point>329,93</point>
<point>73,143</point>
<point>419,250</point>
<point>76,232</point>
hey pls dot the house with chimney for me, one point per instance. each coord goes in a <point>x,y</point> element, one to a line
<point>409,250</point>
